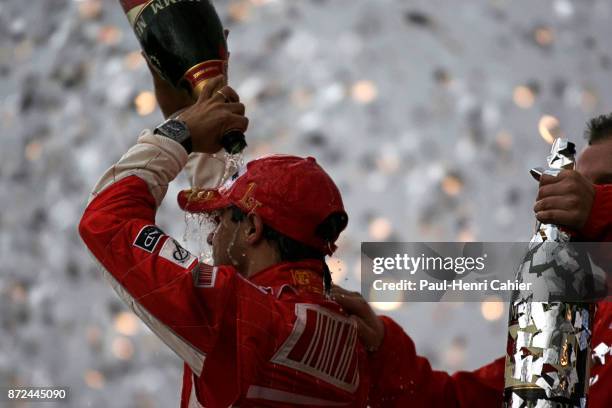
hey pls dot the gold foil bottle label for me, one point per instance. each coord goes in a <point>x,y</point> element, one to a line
<point>564,360</point>
<point>199,74</point>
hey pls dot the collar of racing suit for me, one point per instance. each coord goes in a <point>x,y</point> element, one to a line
<point>303,278</point>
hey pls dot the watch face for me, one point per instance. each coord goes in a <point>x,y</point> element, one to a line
<point>175,126</point>
<point>175,130</point>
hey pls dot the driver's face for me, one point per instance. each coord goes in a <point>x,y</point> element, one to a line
<point>226,240</point>
<point>595,162</point>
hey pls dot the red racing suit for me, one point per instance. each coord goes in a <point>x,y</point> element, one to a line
<point>401,378</point>
<point>270,341</point>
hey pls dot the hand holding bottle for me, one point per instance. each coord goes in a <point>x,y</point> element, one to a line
<point>565,199</point>
<point>171,99</point>
<point>217,111</point>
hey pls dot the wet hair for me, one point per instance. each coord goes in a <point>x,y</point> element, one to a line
<point>599,128</point>
<point>291,250</point>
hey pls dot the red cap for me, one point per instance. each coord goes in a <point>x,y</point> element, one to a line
<point>292,195</point>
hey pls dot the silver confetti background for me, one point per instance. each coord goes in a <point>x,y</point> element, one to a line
<point>427,113</point>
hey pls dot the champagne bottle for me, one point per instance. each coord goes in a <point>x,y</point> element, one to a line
<point>184,41</point>
<point>550,325</point>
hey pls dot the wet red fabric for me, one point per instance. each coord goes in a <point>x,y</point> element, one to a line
<point>273,340</point>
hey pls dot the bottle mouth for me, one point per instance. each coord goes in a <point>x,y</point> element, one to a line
<point>233,141</point>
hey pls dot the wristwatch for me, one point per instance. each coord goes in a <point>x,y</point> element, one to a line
<point>176,130</point>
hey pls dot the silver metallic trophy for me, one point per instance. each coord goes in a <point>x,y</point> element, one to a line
<point>550,325</point>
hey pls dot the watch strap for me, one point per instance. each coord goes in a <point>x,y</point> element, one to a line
<point>187,145</point>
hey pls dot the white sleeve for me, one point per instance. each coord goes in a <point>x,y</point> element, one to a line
<point>206,170</point>
<point>155,159</point>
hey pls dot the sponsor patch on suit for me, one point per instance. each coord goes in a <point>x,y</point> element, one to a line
<point>205,276</point>
<point>176,254</point>
<point>322,344</point>
<point>148,238</point>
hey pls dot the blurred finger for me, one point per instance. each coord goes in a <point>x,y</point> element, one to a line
<point>236,108</point>
<point>340,290</point>
<point>562,175</point>
<point>229,94</point>
<point>220,97</point>
<point>552,190</point>
<point>352,302</point>
<point>226,33</point>
<point>546,179</point>
<point>565,173</point>
<point>555,203</point>
<point>559,217</point>
<point>237,122</point>
<point>212,86</point>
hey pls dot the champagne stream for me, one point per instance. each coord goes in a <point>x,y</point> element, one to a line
<point>199,226</point>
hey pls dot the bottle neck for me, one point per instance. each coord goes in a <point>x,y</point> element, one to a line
<point>198,75</point>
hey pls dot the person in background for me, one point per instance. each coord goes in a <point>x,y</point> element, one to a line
<point>579,200</point>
